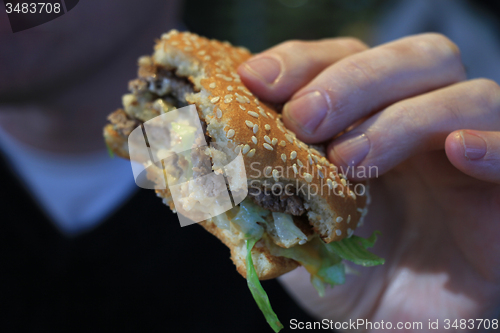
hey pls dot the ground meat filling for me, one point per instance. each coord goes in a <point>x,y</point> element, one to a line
<point>122,122</point>
<point>290,204</point>
<point>165,84</point>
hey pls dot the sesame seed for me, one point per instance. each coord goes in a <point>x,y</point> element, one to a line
<point>251,152</point>
<point>289,137</point>
<point>254,139</point>
<point>228,99</point>
<point>268,140</point>
<point>335,184</point>
<point>351,193</point>
<point>295,169</point>
<point>207,58</point>
<point>299,162</point>
<point>308,177</point>
<point>274,141</point>
<point>320,173</point>
<point>342,195</point>
<point>309,159</point>
<point>240,98</point>
<point>202,52</point>
<point>246,148</point>
<point>282,143</point>
<point>276,175</point>
<point>329,182</point>
<point>256,100</point>
<point>212,85</point>
<point>335,168</point>
<point>188,48</point>
<point>283,157</point>
<point>339,219</point>
<point>224,77</point>
<point>219,113</point>
<point>349,232</point>
<point>253,114</point>
<point>319,167</point>
<point>249,123</point>
<point>242,107</point>
<point>293,155</point>
<point>268,146</point>
<point>263,113</point>
<point>255,128</point>
<point>270,115</point>
<point>343,181</point>
<point>338,232</point>
<point>230,133</point>
<point>332,175</point>
<point>348,219</point>
<point>267,170</point>
<point>267,127</point>
<point>215,99</point>
<point>237,150</point>
<point>315,158</point>
<point>230,88</point>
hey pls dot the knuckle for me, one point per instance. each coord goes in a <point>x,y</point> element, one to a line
<point>359,71</point>
<point>353,44</point>
<point>292,45</point>
<point>487,86</point>
<point>442,44</point>
<point>408,118</point>
<point>486,93</point>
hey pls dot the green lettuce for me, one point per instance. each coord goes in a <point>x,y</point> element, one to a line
<point>247,217</point>
<point>355,249</point>
<point>110,151</point>
<point>186,134</point>
<point>258,293</point>
<point>325,267</point>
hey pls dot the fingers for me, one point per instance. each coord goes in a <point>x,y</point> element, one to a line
<point>475,153</point>
<point>418,125</point>
<point>276,74</point>
<point>358,85</point>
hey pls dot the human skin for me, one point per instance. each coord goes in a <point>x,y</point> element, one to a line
<point>59,80</point>
<point>434,137</point>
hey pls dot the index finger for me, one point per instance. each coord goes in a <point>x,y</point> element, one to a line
<point>276,74</point>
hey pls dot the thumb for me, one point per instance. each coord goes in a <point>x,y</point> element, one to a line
<point>475,153</point>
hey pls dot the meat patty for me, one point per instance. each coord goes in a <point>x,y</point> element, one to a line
<point>284,203</point>
<point>122,122</point>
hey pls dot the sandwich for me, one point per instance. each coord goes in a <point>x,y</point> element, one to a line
<point>297,207</point>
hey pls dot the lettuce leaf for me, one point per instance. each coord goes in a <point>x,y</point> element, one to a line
<point>247,217</point>
<point>185,134</point>
<point>325,266</point>
<point>355,249</point>
<point>110,151</point>
<point>258,293</point>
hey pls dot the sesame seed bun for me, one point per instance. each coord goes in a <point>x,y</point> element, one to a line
<point>274,158</point>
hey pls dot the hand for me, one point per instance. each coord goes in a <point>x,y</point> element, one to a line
<point>435,139</point>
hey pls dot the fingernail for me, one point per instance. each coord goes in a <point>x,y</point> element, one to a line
<point>308,111</point>
<point>266,69</point>
<point>474,145</point>
<point>352,148</point>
